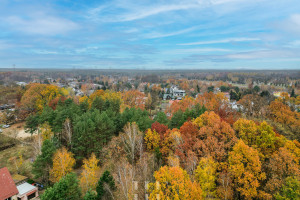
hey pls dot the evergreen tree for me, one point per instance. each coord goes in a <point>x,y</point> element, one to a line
<point>210,89</point>
<point>141,117</point>
<point>90,195</point>
<point>177,120</point>
<point>43,162</point>
<point>293,93</point>
<point>66,189</point>
<point>161,117</point>
<point>102,191</point>
<point>256,88</point>
<point>92,130</point>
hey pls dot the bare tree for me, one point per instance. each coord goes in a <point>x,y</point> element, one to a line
<point>37,142</point>
<point>67,132</point>
<point>133,141</point>
<point>125,176</point>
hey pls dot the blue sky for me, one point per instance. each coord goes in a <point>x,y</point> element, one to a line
<point>155,34</point>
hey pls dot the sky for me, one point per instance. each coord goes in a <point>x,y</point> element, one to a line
<point>154,34</point>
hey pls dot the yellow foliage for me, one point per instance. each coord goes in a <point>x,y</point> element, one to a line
<point>63,163</point>
<point>83,99</point>
<point>105,95</point>
<point>246,170</point>
<point>206,176</point>
<point>46,132</point>
<point>207,119</point>
<point>39,95</point>
<point>89,176</point>
<point>47,95</point>
<point>174,183</point>
<point>152,139</point>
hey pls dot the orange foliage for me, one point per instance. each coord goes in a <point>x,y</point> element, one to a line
<point>245,168</point>
<point>212,102</point>
<point>281,113</point>
<point>134,99</point>
<point>39,95</point>
<point>174,183</point>
<point>281,165</point>
<point>215,137</point>
<point>185,103</point>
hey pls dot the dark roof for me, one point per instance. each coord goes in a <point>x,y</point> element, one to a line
<point>7,185</point>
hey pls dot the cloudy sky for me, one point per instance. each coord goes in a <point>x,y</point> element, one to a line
<point>154,34</point>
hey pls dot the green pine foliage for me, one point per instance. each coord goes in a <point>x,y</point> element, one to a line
<point>66,189</point>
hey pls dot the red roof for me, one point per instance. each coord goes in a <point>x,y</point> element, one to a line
<point>7,185</point>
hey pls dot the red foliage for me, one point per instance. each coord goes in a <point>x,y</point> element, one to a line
<point>55,101</point>
<point>161,129</point>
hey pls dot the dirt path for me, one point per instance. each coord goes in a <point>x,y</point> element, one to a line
<point>16,131</point>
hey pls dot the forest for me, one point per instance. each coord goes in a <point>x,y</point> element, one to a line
<point>123,145</point>
<point>112,145</point>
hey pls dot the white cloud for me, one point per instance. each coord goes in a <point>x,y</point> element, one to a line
<point>290,25</point>
<point>5,45</point>
<point>156,10</point>
<point>227,40</point>
<point>130,10</point>
<point>264,54</point>
<point>42,25</point>
<point>195,50</point>
<point>160,35</point>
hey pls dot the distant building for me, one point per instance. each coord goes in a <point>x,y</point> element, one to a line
<point>174,93</point>
<point>21,83</point>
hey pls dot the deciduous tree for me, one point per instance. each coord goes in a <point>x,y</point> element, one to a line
<point>88,179</point>
<point>245,167</point>
<point>134,98</point>
<point>281,165</point>
<point>173,183</point>
<point>205,175</point>
<point>63,163</point>
<point>152,139</point>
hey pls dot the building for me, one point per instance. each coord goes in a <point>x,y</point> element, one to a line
<point>177,93</point>
<point>174,93</point>
<point>16,187</point>
<point>27,191</point>
<point>8,189</point>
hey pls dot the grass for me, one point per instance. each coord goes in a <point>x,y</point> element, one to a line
<point>18,151</point>
<point>5,140</point>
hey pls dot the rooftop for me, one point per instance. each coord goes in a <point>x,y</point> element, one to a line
<point>7,185</point>
<point>25,188</point>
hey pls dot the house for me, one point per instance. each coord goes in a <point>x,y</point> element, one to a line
<point>21,83</point>
<point>8,189</point>
<point>16,188</point>
<point>19,179</point>
<point>27,191</point>
<point>174,93</point>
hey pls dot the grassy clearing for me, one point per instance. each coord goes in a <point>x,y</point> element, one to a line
<point>17,159</point>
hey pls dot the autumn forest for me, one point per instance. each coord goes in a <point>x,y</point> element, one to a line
<point>122,138</point>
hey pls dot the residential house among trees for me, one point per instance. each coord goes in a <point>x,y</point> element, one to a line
<point>174,93</point>
<point>10,191</point>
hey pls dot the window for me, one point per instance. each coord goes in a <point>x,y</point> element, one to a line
<point>31,196</point>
